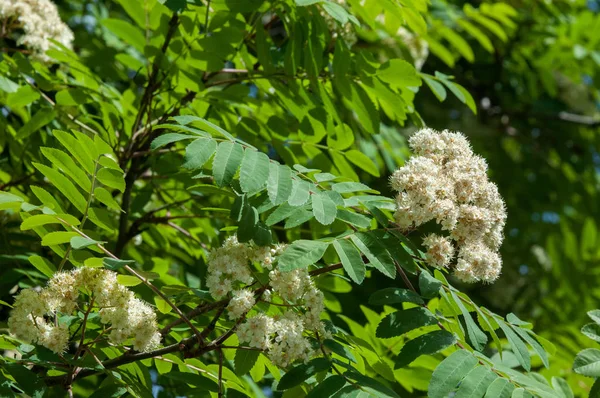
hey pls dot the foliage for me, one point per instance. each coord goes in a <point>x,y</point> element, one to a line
<point>171,126</point>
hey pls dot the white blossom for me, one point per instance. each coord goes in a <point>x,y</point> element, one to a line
<point>439,250</point>
<point>127,316</point>
<point>34,23</point>
<point>241,302</point>
<point>446,182</point>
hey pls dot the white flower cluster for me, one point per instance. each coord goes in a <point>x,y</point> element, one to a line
<point>447,182</point>
<point>128,316</point>
<point>228,265</point>
<point>284,336</point>
<point>39,21</point>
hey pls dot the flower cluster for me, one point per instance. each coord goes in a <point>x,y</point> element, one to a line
<point>447,182</point>
<point>39,21</point>
<point>128,316</point>
<point>228,265</point>
<point>284,336</point>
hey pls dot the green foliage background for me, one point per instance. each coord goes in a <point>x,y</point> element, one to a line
<point>519,78</point>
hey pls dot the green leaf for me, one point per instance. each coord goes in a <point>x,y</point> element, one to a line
<point>198,152</point>
<point>426,344</point>
<point>301,254</point>
<point>8,86</point>
<point>71,97</point>
<point>477,34</point>
<point>194,380</point>
<point>352,218</point>
<point>65,186</point>
<point>537,347</point>
<point>280,214</point>
<point>79,242</point>
<point>57,238</point>
<point>394,295</point>
<point>476,383</point>
<point>111,178</point>
<point>105,197</point>
<point>162,366</point>
<point>450,372</point>
<point>587,362</point>
<point>375,252</point>
<point>127,32</point>
<point>521,393</point>
<point>398,73</point>
<point>561,386</point>
<point>37,121</point>
<point>518,347</point>
<point>254,171</point>
<point>370,386</point>
<point>114,264</point>
<point>186,119</point>
<point>299,217</point>
<point>595,391</point>
<point>500,388</point>
<point>428,285</point>
<point>248,224</point>
<point>592,330</point>
<point>300,373</point>
<point>436,87</point>
<point>68,166</point>
<point>458,42</point>
<point>279,183</point>
<point>300,192</point>
<point>339,349</point>
<point>594,315</point>
<point>76,149</point>
<point>227,160</point>
<point>400,322</point>
<point>351,259</point>
<point>42,219</point>
<point>304,3</point>
<point>245,360</point>
<point>43,265</point>
<point>337,12</point>
<point>167,139</point>
<point>327,387</point>
<point>363,161</point>
<point>346,187</point>
<point>109,391</point>
<point>323,208</point>
<point>6,197</point>
<point>476,336</point>
<point>31,383</point>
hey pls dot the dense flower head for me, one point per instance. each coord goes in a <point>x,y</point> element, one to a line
<point>228,265</point>
<point>446,182</point>
<point>39,21</point>
<point>128,316</point>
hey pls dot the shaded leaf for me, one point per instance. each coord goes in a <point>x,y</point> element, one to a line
<point>400,322</point>
<point>394,295</point>
<point>426,344</point>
